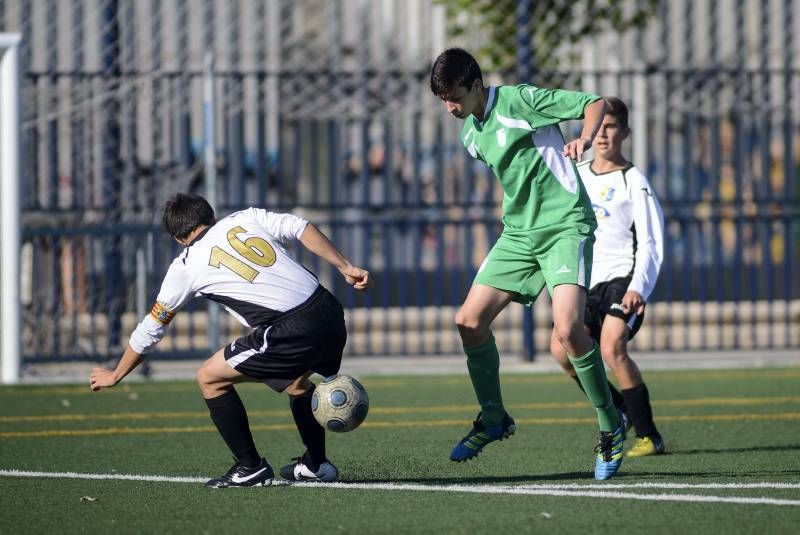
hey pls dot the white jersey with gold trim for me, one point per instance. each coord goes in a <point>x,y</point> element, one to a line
<point>629,240</point>
<point>241,263</point>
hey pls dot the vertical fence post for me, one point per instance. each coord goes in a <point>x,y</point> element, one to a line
<point>233,99</point>
<point>639,119</point>
<point>792,232</point>
<point>141,279</point>
<point>525,71</point>
<point>184,126</point>
<point>10,321</point>
<point>210,156</point>
<point>110,139</point>
<point>524,38</point>
<point>272,96</point>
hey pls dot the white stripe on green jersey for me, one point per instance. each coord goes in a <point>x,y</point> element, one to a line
<point>629,239</point>
<point>520,141</point>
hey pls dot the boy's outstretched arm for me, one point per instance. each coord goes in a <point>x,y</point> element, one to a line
<point>174,292</point>
<point>319,244</point>
<point>592,119</point>
<point>104,378</point>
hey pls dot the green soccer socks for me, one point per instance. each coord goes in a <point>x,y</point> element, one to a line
<point>592,375</point>
<point>483,362</point>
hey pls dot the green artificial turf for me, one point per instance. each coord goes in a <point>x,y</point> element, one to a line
<point>732,427</point>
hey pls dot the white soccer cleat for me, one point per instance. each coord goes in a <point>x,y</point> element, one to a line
<point>299,471</point>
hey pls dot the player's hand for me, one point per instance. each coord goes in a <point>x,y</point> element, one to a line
<point>356,277</point>
<point>633,301</point>
<point>575,148</point>
<point>102,378</point>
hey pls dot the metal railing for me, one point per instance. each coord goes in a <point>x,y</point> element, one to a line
<point>339,126</point>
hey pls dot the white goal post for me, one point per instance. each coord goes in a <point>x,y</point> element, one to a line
<point>10,231</point>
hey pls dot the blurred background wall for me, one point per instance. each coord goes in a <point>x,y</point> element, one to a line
<point>322,107</point>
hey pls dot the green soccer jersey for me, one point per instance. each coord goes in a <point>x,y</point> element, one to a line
<point>520,141</point>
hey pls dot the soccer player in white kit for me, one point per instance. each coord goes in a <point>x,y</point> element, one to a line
<point>628,251</point>
<point>298,326</point>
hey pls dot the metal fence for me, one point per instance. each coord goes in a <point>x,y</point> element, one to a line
<point>321,107</point>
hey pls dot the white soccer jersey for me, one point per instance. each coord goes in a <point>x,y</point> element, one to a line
<point>629,240</point>
<point>241,263</point>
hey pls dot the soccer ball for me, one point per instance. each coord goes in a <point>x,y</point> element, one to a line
<point>340,403</point>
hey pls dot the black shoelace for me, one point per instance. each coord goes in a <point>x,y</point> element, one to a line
<point>605,445</point>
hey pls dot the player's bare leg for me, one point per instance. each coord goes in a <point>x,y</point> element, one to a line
<point>474,319</point>
<point>569,302</point>
<point>313,464</point>
<point>614,346</point>
<point>480,308</point>
<point>216,379</point>
<point>560,356</point>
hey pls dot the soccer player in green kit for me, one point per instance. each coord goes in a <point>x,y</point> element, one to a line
<point>548,232</point>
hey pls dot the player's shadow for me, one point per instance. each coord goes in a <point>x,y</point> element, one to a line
<point>753,449</point>
<point>637,475</point>
<point>644,475</point>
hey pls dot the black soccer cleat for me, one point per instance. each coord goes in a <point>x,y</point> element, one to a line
<point>241,476</point>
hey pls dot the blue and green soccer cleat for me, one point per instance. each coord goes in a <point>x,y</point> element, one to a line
<point>609,453</point>
<point>472,444</point>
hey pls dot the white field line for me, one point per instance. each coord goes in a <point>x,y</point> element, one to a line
<point>574,490</point>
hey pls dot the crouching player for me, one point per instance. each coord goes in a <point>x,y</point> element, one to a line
<point>298,326</point>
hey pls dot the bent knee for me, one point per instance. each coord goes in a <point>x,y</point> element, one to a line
<point>614,356</point>
<point>210,384</point>
<point>557,349</point>
<point>566,335</point>
<point>204,378</point>
<point>467,323</point>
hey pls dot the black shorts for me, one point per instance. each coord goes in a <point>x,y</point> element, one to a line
<point>309,337</point>
<point>605,299</point>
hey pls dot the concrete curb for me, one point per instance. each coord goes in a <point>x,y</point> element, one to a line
<point>78,372</point>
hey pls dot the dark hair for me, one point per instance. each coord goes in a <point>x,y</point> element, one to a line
<point>616,108</point>
<point>184,212</point>
<point>454,67</point>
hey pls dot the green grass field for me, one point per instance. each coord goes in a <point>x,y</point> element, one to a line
<point>733,462</point>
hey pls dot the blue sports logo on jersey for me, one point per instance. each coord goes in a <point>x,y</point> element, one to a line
<point>600,212</point>
<point>607,193</point>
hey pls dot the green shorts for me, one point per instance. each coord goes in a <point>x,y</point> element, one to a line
<point>523,261</point>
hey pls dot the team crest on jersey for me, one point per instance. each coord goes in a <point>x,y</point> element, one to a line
<point>501,137</point>
<point>161,314</point>
<point>600,212</point>
<point>607,193</point>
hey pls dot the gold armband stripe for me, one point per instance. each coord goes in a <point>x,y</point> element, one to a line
<point>161,314</point>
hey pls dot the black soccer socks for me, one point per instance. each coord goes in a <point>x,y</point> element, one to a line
<point>312,434</point>
<point>637,400</point>
<point>230,417</point>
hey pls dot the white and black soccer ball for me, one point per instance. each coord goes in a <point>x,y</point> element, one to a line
<point>340,403</point>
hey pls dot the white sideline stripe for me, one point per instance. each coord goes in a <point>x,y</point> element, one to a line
<point>544,490</point>
<point>78,475</point>
<point>570,489</point>
<point>761,485</point>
